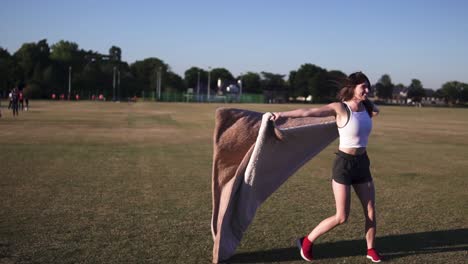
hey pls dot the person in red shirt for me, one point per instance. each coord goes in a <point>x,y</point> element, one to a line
<point>21,100</point>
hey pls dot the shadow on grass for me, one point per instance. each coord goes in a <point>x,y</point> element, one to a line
<point>391,247</point>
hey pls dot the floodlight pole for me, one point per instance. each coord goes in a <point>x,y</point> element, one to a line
<point>198,84</point>
<point>209,80</point>
<point>118,83</point>
<point>69,81</point>
<point>240,86</point>
<point>113,85</point>
<point>159,83</point>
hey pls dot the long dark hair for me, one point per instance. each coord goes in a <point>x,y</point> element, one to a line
<point>349,84</point>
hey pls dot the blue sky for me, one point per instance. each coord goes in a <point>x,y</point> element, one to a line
<point>426,40</point>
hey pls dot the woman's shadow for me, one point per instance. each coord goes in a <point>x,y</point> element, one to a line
<point>391,247</point>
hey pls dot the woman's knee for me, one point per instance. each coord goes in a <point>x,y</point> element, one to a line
<point>341,218</point>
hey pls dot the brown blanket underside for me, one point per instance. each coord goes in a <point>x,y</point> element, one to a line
<point>251,159</point>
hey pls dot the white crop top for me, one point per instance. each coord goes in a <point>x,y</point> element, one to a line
<point>355,133</point>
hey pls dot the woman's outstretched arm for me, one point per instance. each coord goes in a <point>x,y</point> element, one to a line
<point>324,111</point>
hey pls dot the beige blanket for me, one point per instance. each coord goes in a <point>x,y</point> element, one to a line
<point>252,158</point>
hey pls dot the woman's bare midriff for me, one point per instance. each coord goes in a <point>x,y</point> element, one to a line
<point>353,151</point>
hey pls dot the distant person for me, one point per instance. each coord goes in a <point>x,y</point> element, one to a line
<point>15,101</point>
<point>21,100</point>
<point>26,100</point>
<point>132,99</point>
<point>10,99</point>
<point>353,115</point>
<point>54,96</point>
<point>77,97</point>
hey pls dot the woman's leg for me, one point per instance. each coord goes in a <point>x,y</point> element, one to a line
<point>342,201</point>
<point>366,194</point>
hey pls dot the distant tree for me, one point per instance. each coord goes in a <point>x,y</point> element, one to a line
<point>25,54</point>
<point>305,80</point>
<point>191,77</point>
<point>4,53</point>
<point>333,82</point>
<point>416,91</point>
<point>318,86</point>
<point>272,81</point>
<point>64,51</point>
<point>453,92</point>
<point>126,81</point>
<point>291,82</point>
<point>32,59</point>
<point>67,61</point>
<point>52,80</point>
<point>173,83</point>
<point>384,87</point>
<point>92,80</point>
<point>312,80</point>
<point>220,73</point>
<point>464,93</point>
<point>274,87</point>
<point>145,73</point>
<point>400,86</point>
<point>251,83</point>
<point>10,72</point>
<point>400,92</point>
<point>31,54</point>
<point>438,93</point>
<point>45,69</point>
<point>44,52</point>
<point>415,84</point>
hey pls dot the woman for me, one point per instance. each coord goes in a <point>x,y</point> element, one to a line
<point>351,167</point>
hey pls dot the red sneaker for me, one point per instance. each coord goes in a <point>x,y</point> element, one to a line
<point>305,246</point>
<point>373,255</point>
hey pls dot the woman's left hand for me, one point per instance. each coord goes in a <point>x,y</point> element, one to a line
<point>274,116</point>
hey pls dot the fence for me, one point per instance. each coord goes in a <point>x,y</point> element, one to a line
<point>203,98</point>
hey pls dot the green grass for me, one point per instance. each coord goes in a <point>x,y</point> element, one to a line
<point>130,183</point>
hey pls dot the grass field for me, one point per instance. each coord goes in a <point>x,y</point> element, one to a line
<point>88,182</point>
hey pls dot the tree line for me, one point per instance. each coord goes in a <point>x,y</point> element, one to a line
<point>42,70</point>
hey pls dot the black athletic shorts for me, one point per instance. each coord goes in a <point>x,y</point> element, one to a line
<point>349,169</point>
